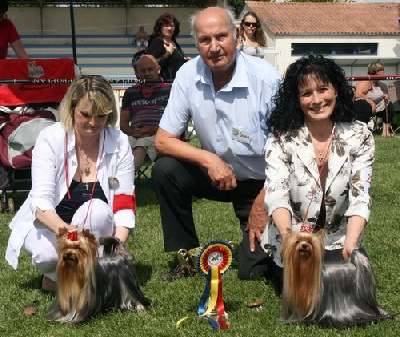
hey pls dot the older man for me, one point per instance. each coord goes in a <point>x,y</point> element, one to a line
<point>142,107</point>
<point>228,95</point>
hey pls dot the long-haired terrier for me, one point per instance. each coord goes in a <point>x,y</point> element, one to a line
<point>87,285</point>
<point>337,294</point>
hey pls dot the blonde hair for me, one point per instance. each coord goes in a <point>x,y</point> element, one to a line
<point>99,94</point>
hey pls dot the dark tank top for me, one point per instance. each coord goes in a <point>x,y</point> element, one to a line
<point>80,193</point>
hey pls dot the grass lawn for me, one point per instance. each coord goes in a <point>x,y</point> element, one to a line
<point>173,301</point>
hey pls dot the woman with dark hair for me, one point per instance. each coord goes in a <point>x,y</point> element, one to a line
<point>319,160</point>
<point>9,35</point>
<point>164,47</point>
<point>251,39</point>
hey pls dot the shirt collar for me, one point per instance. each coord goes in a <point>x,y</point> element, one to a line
<point>239,77</point>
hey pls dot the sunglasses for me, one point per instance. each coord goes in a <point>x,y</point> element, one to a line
<point>250,24</point>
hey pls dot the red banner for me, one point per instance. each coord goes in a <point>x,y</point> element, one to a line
<point>34,69</point>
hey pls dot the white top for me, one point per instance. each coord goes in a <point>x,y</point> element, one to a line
<point>293,183</point>
<point>49,183</point>
<point>254,51</point>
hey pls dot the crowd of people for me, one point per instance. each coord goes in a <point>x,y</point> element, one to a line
<point>286,152</point>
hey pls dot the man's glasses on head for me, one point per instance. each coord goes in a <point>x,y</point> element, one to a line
<point>251,24</point>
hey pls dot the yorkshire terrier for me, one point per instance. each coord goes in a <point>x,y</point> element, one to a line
<point>337,294</point>
<point>87,285</point>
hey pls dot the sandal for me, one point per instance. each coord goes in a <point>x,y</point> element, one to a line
<point>47,284</point>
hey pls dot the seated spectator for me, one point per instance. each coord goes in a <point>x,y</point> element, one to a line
<point>142,107</point>
<point>375,93</point>
<point>142,39</point>
<point>363,110</point>
<point>9,35</point>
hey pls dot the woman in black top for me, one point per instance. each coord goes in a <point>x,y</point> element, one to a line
<point>164,47</point>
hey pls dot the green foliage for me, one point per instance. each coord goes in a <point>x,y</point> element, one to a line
<point>173,301</point>
<point>236,5</point>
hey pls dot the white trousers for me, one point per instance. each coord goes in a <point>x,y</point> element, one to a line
<point>41,243</point>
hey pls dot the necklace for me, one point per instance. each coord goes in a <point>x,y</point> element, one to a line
<point>321,154</point>
<point>86,165</point>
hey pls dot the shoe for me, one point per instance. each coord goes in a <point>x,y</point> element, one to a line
<point>47,284</point>
<point>176,273</point>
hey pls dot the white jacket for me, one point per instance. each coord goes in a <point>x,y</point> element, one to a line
<point>49,180</point>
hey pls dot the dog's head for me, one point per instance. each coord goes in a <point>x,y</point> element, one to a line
<point>76,246</point>
<point>303,245</point>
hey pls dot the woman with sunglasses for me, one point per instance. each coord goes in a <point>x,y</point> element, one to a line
<point>9,35</point>
<point>251,38</point>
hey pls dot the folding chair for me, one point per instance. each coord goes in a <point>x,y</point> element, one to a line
<point>144,173</point>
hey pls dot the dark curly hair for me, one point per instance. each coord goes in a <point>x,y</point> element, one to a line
<point>166,18</point>
<point>287,116</point>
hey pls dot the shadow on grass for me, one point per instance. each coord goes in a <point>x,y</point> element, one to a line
<point>33,283</point>
<point>145,194</point>
<point>144,272</point>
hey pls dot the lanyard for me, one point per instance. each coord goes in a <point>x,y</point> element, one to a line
<point>67,172</point>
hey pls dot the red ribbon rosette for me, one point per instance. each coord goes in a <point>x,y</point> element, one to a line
<point>215,253</point>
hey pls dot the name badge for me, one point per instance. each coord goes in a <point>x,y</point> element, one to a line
<point>240,135</point>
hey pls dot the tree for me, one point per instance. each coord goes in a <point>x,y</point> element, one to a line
<point>237,6</point>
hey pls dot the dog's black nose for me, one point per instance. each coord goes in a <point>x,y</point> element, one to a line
<point>304,246</point>
<point>68,256</point>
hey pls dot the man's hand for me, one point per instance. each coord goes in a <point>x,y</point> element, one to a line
<point>222,177</point>
<point>141,131</point>
<point>256,224</point>
<point>258,219</point>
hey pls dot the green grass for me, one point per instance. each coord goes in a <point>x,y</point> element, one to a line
<point>173,301</point>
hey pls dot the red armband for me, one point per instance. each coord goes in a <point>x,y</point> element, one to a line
<point>124,201</point>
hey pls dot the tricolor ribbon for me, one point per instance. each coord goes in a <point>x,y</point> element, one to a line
<point>214,259</point>
<point>213,294</point>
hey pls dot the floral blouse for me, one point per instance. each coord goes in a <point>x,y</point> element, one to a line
<point>293,183</point>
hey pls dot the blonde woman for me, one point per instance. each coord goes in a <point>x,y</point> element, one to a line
<point>82,176</point>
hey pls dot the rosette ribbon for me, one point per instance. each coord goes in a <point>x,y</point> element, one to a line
<point>213,261</point>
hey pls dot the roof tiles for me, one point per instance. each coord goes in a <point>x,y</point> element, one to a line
<point>322,18</point>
